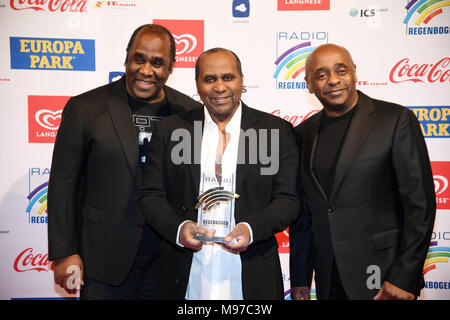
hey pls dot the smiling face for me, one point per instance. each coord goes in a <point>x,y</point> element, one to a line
<point>148,66</point>
<point>219,84</point>
<point>331,77</point>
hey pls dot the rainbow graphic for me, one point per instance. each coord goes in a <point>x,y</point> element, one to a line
<point>435,255</point>
<point>427,10</point>
<point>293,60</point>
<point>38,197</point>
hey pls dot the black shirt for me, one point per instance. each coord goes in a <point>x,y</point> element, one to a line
<point>145,115</point>
<point>332,132</point>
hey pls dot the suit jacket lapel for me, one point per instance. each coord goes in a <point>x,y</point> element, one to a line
<point>247,120</point>
<point>119,110</point>
<point>310,150</point>
<point>360,126</point>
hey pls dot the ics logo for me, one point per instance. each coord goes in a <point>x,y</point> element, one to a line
<point>434,120</point>
<point>299,5</point>
<point>44,117</point>
<point>427,17</point>
<point>52,54</point>
<point>292,50</point>
<point>189,40</point>
<point>441,175</point>
<point>37,195</point>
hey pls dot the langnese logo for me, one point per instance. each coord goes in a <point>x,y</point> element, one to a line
<point>303,5</point>
<point>427,17</point>
<point>44,117</point>
<point>441,177</point>
<point>37,195</point>
<point>52,54</point>
<point>434,120</point>
<point>189,40</point>
<point>72,6</point>
<point>406,70</point>
<point>292,50</point>
<point>283,241</point>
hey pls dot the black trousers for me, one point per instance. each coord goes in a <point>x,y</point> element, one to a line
<point>139,285</point>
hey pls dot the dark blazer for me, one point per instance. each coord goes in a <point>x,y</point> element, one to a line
<point>267,202</point>
<point>94,182</point>
<point>382,205</point>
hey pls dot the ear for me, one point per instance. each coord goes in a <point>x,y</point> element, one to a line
<point>308,83</point>
<point>354,73</point>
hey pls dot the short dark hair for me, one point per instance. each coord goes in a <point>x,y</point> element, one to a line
<point>214,50</point>
<point>154,29</point>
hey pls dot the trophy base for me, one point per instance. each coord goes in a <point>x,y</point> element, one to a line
<point>212,239</point>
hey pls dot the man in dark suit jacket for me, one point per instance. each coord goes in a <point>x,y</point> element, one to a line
<point>94,222</point>
<point>367,179</point>
<point>266,203</point>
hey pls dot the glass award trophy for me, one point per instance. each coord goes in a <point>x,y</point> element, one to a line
<point>215,206</point>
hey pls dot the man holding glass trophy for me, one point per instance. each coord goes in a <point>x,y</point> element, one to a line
<point>220,182</point>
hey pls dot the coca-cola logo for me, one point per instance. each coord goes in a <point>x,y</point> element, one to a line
<point>27,261</point>
<point>50,5</point>
<point>405,71</point>
<point>294,119</point>
<point>48,119</point>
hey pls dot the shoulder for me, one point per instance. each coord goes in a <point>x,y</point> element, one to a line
<point>305,125</point>
<point>180,99</point>
<point>384,108</point>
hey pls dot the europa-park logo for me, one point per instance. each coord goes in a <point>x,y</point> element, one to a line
<point>29,259</point>
<point>52,54</point>
<point>73,6</point>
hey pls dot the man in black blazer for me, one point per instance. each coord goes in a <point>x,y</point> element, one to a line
<point>367,179</point>
<point>267,200</point>
<point>94,224</point>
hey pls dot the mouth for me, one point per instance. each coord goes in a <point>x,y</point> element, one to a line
<point>145,84</point>
<point>335,92</point>
<point>220,100</point>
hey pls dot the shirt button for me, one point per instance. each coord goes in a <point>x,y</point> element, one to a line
<point>183,208</point>
<point>331,210</point>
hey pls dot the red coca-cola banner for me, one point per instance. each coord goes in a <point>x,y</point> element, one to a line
<point>404,70</point>
<point>27,261</point>
<point>50,5</point>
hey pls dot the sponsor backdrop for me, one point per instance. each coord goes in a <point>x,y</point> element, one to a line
<point>54,49</point>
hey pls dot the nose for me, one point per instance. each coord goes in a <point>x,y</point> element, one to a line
<point>333,79</point>
<point>219,86</point>
<point>146,70</point>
